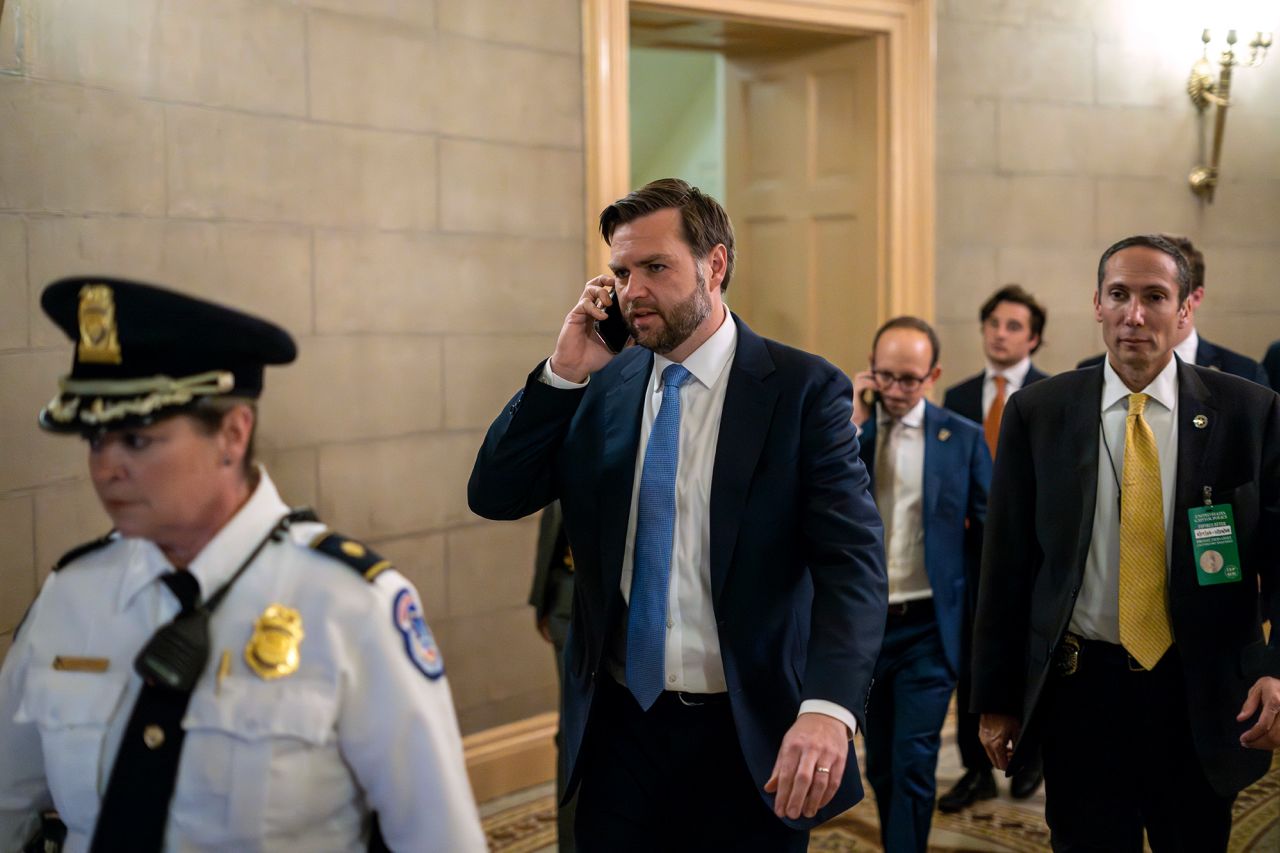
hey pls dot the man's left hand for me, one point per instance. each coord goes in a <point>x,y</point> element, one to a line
<point>1263,697</point>
<point>810,765</point>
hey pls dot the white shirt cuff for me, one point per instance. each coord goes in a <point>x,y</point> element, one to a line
<point>830,709</point>
<point>549,377</point>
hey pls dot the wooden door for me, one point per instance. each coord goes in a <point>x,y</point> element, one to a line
<point>806,169</point>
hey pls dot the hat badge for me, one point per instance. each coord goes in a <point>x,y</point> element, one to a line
<point>99,340</point>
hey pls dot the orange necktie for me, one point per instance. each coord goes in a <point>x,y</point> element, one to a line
<point>991,424</point>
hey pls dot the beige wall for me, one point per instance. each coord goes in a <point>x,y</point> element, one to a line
<point>398,182</point>
<point>1064,126</point>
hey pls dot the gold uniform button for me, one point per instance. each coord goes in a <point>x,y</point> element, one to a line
<point>353,549</point>
<point>153,736</point>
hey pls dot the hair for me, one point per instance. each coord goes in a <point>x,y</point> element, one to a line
<point>1160,244</point>
<point>209,413</point>
<point>703,222</point>
<point>1017,295</point>
<point>1195,258</point>
<point>911,323</point>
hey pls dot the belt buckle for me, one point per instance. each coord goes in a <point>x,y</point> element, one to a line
<point>1068,655</point>
<point>1134,666</point>
<point>686,702</point>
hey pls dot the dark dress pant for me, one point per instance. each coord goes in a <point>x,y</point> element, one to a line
<point>908,705</point>
<point>1119,758</point>
<point>671,779</point>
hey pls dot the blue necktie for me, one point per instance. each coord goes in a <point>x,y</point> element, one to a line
<point>655,532</point>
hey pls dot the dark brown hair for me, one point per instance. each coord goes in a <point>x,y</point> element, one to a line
<point>911,323</point>
<point>703,222</point>
<point>1160,244</point>
<point>1195,258</point>
<point>1016,294</point>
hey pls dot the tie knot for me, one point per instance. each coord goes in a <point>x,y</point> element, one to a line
<point>1137,403</point>
<point>185,588</point>
<point>1001,382</point>
<point>675,375</point>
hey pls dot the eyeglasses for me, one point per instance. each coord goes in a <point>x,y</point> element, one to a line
<point>906,381</point>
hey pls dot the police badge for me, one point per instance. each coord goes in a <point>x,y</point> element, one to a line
<point>272,651</point>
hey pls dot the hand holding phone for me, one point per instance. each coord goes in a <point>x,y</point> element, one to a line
<point>613,329</point>
<point>580,349</point>
<point>866,393</point>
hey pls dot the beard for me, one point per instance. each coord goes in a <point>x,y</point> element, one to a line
<point>678,322</point>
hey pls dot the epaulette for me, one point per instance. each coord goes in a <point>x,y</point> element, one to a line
<point>368,562</point>
<point>80,550</point>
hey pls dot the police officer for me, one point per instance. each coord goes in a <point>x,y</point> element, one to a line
<point>219,672</point>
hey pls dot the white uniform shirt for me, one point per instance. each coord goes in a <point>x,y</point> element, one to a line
<point>693,661</point>
<point>1014,378</point>
<point>296,763</point>
<point>901,504</point>
<point>1097,612</point>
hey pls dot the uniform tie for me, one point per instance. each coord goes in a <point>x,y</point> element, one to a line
<point>135,807</point>
<point>1144,613</point>
<point>991,423</point>
<point>655,533</point>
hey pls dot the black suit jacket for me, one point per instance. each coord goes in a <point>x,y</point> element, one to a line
<point>797,556</point>
<point>1214,357</point>
<point>1271,364</point>
<point>1040,524</point>
<point>965,398</point>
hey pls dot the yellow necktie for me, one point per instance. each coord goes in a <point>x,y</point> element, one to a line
<point>991,424</point>
<point>1144,614</point>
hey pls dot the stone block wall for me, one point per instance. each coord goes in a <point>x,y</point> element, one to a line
<point>397,182</point>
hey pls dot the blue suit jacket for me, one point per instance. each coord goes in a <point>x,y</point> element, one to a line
<point>797,558</point>
<point>957,474</point>
<point>1214,357</point>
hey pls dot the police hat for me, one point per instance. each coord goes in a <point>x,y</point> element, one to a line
<point>143,352</point>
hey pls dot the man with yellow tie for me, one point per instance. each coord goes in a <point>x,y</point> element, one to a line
<point>1100,639</point>
<point>1012,330</point>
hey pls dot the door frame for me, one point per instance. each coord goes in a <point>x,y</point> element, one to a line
<point>906,243</point>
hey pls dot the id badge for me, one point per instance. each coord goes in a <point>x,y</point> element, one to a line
<point>1213,544</point>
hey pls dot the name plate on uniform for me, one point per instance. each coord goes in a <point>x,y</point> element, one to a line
<point>1213,543</point>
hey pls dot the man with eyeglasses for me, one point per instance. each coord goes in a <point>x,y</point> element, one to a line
<point>930,472</point>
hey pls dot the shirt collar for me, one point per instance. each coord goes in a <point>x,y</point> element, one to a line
<point>1187,349</point>
<point>1016,374</point>
<point>223,554</point>
<point>913,418</point>
<point>708,361</point>
<point>1163,389</point>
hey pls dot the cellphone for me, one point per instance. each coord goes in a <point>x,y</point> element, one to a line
<point>613,329</point>
<point>870,397</point>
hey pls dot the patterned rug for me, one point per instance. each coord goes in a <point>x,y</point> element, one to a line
<point>525,822</point>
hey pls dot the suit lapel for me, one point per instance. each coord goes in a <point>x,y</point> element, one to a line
<point>744,423</point>
<point>934,451</point>
<point>1196,450</point>
<point>1081,444</point>
<point>623,412</point>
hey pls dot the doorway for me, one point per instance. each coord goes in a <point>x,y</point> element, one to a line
<point>810,119</point>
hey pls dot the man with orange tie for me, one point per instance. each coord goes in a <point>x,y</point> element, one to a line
<point>1101,640</point>
<point>1012,331</point>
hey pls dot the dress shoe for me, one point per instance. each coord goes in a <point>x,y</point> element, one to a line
<point>974,785</point>
<point>1026,782</point>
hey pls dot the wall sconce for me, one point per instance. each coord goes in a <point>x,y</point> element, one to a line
<point>1205,91</point>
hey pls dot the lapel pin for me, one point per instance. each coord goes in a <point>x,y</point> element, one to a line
<point>944,434</point>
<point>1199,422</point>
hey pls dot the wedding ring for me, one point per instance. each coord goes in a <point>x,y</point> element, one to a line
<point>822,769</point>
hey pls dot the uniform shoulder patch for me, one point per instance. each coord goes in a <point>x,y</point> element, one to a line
<point>368,562</point>
<point>80,550</point>
<point>419,643</point>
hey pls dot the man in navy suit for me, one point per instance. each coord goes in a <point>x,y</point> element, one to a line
<point>729,593</point>
<point>1012,331</point>
<point>1187,343</point>
<point>931,469</point>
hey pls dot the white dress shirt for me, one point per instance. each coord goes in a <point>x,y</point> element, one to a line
<point>294,763</point>
<point>1097,611</point>
<point>901,502</point>
<point>1188,348</point>
<point>1014,377</point>
<point>693,661</point>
